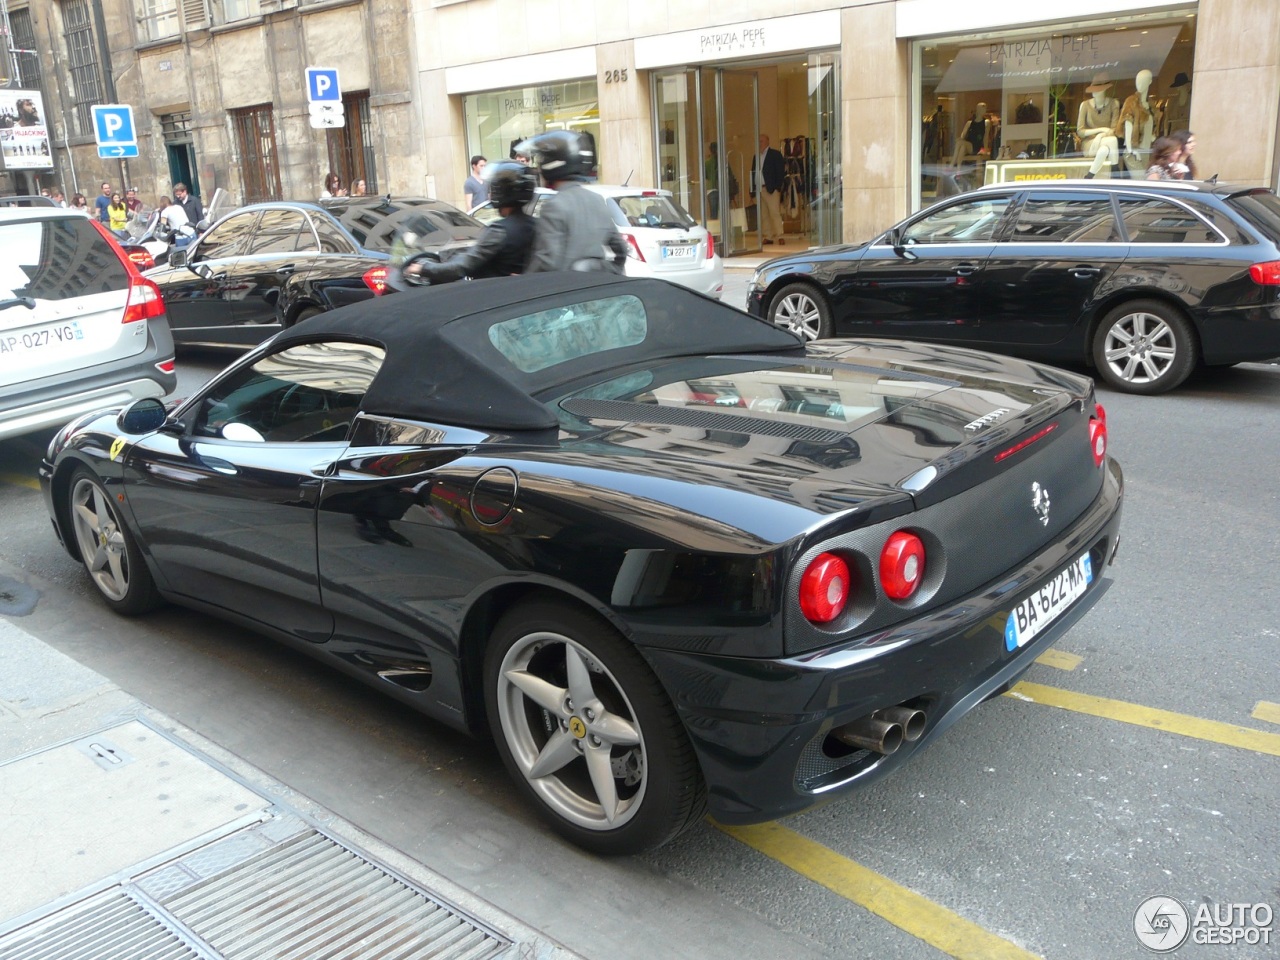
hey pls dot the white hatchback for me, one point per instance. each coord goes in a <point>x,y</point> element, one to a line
<point>80,328</point>
<point>663,240</point>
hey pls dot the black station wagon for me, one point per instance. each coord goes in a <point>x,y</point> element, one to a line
<point>1141,279</point>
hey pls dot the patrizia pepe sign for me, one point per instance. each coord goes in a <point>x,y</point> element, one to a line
<point>732,39</point>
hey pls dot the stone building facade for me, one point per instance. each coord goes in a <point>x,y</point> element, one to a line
<point>872,102</point>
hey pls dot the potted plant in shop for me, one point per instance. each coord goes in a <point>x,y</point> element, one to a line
<point>1061,136</point>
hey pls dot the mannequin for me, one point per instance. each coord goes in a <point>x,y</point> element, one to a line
<point>1096,127</point>
<point>1137,116</point>
<point>973,137</point>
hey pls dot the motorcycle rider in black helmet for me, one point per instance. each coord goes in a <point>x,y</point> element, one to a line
<point>575,230</point>
<point>505,245</point>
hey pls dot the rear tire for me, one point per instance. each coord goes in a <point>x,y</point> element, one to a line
<point>800,308</point>
<point>1145,347</point>
<point>107,548</point>
<point>587,731</point>
<point>306,313</point>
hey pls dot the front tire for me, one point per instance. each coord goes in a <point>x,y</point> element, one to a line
<point>800,308</point>
<point>306,313</point>
<point>1145,347</point>
<point>587,732</point>
<point>107,549</point>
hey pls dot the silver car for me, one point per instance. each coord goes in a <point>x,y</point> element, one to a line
<point>80,328</point>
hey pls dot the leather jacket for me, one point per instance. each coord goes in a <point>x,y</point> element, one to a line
<point>503,249</point>
<point>576,232</point>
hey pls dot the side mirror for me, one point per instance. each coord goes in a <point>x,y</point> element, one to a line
<point>894,237</point>
<point>241,433</point>
<point>202,270</point>
<point>178,257</point>
<point>142,416</point>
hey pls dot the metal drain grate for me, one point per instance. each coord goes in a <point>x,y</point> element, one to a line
<point>277,891</point>
<point>106,927</point>
<point>310,898</point>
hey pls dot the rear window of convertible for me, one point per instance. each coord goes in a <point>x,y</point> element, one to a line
<point>540,340</point>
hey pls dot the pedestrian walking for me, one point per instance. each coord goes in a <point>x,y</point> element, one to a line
<point>505,245</point>
<point>768,173</point>
<point>190,204</point>
<point>58,198</point>
<point>1187,141</point>
<point>132,202</point>
<point>80,204</point>
<point>1164,160</point>
<point>102,201</point>
<point>474,187</point>
<point>575,230</point>
<point>332,187</point>
<point>117,215</point>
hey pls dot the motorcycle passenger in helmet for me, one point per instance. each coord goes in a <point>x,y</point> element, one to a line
<point>505,245</point>
<point>575,230</point>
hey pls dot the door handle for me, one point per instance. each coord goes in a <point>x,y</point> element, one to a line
<point>1084,272</point>
<point>287,269</point>
<point>966,270</point>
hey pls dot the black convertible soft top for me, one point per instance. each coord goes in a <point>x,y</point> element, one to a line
<point>441,364</point>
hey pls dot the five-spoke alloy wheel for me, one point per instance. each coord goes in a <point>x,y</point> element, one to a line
<point>107,548</point>
<point>800,308</point>
<point>587,731</point>
<point>1144,346</point>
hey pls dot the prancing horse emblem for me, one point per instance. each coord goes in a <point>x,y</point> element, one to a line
<point>1040,502</point>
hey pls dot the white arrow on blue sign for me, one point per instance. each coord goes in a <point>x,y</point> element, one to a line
<point>322,84</point>
<point>117,151</point>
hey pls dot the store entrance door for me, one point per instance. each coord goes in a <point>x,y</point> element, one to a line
<point>709,121</point>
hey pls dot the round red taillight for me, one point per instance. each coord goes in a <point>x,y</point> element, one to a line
<point>824,588</point>
<point>901,565</point>
<point>1098,436</point>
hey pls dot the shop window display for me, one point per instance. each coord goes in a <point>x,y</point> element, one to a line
<point>1051,103</point>
<point>498,120</point>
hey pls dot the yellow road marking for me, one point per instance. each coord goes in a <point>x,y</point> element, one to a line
<point>1195,727</point>
<point>1060,659</point>
<point>1267,711</point>
<point>905,909</point>
<point>19,480</point>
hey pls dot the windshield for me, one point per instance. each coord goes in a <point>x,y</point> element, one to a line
<point>652,211</point>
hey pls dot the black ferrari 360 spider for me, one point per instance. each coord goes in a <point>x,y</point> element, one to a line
<point>671,557</point>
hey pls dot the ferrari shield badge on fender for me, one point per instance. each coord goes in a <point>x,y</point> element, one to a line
<point>1040,502</point>
<point>117,445</point>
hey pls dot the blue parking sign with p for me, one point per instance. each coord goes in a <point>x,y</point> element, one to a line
<point>114,131</point>
<point>322,84</point>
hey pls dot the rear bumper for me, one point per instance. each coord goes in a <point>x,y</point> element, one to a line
<point>52,401</point>
<point>761,727</point>
<point>1239,334</point>
<point>706,278</point>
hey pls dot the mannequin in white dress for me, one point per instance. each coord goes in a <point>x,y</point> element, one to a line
<point>1138,117</point>
<point>1096,126</point>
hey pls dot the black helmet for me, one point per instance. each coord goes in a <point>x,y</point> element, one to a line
<point>560,154</point>
<point>511,184</point>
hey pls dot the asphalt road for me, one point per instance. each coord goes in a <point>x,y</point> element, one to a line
<point>1029,829</point>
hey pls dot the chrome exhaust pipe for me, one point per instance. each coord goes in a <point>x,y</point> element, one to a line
<point>910,719</point>
<point>871,733</point>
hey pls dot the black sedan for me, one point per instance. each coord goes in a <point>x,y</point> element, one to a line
<point>1143,280</point>
<point>669,555</point>
<point>269,265</point>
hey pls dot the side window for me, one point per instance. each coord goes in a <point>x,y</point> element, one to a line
<point>277,232</point>
<point>970,221</point>
<point>332,240</point>
<point>228,238</point>
<point>1066,218</point>
<point>1150,220</point>
<point>308,392</point>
